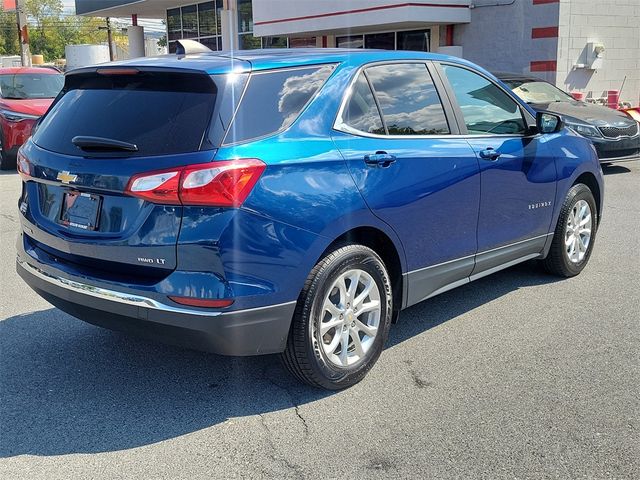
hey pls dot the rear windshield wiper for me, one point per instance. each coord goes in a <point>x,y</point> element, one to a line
<point>103,144</point>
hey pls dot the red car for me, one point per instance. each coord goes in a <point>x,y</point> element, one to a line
<point>25,95</point>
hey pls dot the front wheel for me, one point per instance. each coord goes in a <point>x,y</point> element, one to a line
<point>342,319</point>
<point>5,163</point>
<point>575,233</point>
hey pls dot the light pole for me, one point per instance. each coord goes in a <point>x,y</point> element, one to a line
<point>23,34</point>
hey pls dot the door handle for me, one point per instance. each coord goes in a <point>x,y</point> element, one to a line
<point>489,154</point>
<point>379,159</point>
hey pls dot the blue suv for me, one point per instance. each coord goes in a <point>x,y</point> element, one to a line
<point>292,201</point>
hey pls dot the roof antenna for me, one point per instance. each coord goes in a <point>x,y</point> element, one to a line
<point>187,47</point>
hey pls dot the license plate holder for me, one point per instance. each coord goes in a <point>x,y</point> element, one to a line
<point>80,210</point>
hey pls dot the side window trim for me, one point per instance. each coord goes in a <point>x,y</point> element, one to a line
<point>458,112</point>
<point>375,99</point>
<point>446,102</point>
<point>341,126</point>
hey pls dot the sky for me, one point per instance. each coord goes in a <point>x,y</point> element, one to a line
<point>150,25</point>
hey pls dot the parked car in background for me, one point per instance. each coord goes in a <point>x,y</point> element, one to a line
<point>615,134</point>
<point>25,95</point>
<point>293,201</point>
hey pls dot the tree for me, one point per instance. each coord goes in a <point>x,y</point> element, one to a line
<point>8,34</point>
<point>51,30</point>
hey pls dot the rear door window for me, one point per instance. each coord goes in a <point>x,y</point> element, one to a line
<point>408,99</point>
<point>274,99</point>
<point>162,114</point>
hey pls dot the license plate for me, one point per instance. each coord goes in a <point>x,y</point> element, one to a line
<point>80,210</point>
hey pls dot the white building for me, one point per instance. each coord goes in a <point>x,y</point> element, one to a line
<point>580,45</point>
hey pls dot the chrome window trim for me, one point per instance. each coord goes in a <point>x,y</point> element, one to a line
<point>340,125</point>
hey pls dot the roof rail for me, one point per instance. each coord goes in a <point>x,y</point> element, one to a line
<point>186,47</point>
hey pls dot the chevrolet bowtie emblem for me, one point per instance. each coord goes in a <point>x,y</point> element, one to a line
<point>66,177</point>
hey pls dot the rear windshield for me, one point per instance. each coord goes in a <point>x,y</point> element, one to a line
<point>25,86</point>
<point>274,99</point>
<point>161,113</point>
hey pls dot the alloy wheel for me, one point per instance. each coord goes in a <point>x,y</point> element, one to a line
<point>350,317</point>
<point>577,234</point>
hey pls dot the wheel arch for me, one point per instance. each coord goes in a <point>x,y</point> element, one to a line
<point>589,179</point>
<point>384,246</point>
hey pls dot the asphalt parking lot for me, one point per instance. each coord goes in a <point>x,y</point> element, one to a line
<point>518,375</point>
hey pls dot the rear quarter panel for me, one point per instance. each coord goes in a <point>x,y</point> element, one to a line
<point>306,187</point>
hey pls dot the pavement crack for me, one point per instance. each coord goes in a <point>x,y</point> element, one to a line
<point>292,399</point>
<point>276,456</point>
<point>419,381</point>
<point>11,218</point>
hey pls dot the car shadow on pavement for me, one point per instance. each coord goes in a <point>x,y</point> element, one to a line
<point>614,169</point>
<point>68,387</point>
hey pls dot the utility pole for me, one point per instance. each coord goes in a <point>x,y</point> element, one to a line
<point>23,34</point>
<point>110,39</point>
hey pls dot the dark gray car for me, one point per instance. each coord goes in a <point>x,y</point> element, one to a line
<point>615,134</point>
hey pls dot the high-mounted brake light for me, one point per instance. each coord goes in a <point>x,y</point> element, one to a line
<point>220,184</point>
<point>117,71</point>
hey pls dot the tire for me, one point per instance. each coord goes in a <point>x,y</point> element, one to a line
<point>6,163</point>
<point>308,355</point>
<point>560,261</point>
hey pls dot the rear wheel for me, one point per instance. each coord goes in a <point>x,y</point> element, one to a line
<point>342,319</point>
<point>575,233</point>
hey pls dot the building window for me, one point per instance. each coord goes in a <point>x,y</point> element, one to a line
<point>245,16</point>
<point>246,40</point>
<point>302,42</point>
<point>200,21</point>
<point>275,42</point>
<point>207,19</point>
<point>350,41</point>
<point>419,40</point>
<point>174,24</point>
<point>211,42</point>
<point>189,21</point>
<point>383,41</point>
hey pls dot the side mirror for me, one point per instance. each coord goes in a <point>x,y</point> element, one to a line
<point>548,122</point>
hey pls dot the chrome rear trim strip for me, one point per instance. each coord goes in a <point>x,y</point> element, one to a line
<point>122,297</point>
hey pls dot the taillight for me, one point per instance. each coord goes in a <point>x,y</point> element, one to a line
<point>23,164</point>
<point>221,184</point>
<point>159,187</point>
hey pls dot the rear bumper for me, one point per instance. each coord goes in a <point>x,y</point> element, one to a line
<point>255,331</point>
